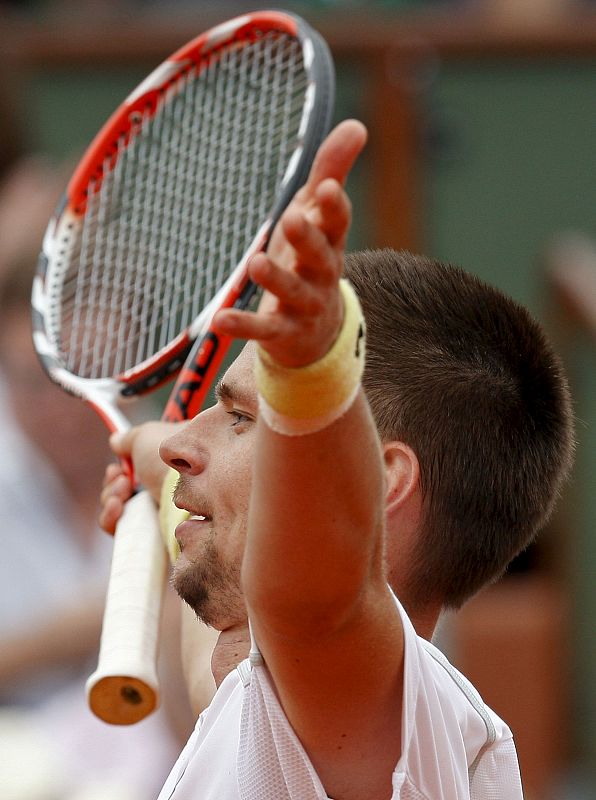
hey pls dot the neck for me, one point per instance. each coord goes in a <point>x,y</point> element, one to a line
<point>425,621</point>
<point>233,644</point>
<point>232,647</point>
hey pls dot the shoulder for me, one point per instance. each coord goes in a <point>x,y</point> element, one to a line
<point>496,766</point>
<point>477,720</point>
<point>447,728</point>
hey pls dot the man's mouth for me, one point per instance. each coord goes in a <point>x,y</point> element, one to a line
<point>195,512</point>
<point>186,531</point>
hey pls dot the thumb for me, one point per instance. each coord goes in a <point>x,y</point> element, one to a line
<point>121,442</point>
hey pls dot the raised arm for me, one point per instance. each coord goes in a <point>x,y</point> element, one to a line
<point>313,574</point>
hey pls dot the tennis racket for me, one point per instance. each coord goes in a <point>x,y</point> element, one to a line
<point>183,184</point>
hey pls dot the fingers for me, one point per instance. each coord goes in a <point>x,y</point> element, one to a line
<point>301,309</point>
<point>139,445</point>
<point>110,514</point>
<point>292,296</point>
<point>314,258</point>
<point>322,198</point>
<point>112,472</point>
<point>313,239</point>
<point>116,484</point>
<point>337,154</point>
<point>117,489</point>
<point>316,264</point>
<point>333,212</point>
<point>317,234</point>
<point>246,325</point>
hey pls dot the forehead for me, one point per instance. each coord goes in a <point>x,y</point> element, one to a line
<point>239,377</point>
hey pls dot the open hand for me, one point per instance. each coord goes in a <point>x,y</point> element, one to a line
<point>301,310</point>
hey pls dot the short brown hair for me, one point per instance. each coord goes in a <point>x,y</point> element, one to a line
<point>463,375</point>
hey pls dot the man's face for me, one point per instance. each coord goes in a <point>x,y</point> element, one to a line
<point>213,454</point>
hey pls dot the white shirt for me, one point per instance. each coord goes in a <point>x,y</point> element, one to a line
<point>453,746</point>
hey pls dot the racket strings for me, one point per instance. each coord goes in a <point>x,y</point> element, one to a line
<point>180,203</point>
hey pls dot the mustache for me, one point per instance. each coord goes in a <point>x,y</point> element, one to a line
<point>185,497</point>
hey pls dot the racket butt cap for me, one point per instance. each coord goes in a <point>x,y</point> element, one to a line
<point>120,699</point>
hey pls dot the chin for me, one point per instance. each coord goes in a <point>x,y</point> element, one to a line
<point>211,587</point>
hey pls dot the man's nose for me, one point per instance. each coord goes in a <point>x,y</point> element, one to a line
<point>182,452</point>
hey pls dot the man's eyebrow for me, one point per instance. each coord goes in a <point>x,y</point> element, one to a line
<point>223,391</point>
<point>231,393</point>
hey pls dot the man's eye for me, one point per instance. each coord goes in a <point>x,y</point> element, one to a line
<point>238,418</point>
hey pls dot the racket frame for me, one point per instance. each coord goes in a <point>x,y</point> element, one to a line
<point>106,394</point>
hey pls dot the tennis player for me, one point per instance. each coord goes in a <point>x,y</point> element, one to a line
<point>334,513</point>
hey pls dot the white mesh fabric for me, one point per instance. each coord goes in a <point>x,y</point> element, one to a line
<point>246,749</point>
<point>409,792</point>
<point>497,774</point>
<point>272,764</point>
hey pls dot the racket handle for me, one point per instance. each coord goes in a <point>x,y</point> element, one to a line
<point>124,687</point>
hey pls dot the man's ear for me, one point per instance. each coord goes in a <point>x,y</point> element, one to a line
<point>402,474</point>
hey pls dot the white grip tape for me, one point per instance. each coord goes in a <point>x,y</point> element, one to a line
<point>124,687</point>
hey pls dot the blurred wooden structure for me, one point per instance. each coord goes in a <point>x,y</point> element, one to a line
<point>511,641</point>
<point>396,53</point>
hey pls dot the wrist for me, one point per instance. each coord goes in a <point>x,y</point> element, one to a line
<point>299,400</point>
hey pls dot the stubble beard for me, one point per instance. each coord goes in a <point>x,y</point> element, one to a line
<point>211,587</point>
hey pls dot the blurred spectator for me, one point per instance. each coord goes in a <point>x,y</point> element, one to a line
<point>55,562</point>
<point>45,493</point>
